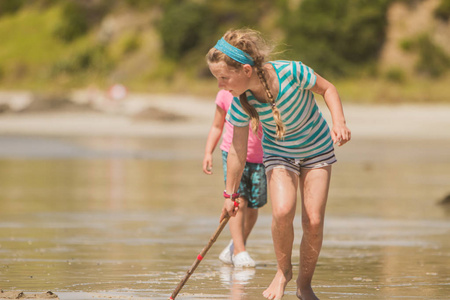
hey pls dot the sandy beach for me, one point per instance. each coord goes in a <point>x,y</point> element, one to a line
<point>146,115</point>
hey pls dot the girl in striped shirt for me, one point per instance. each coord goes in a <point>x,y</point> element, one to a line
<point>297,144</point>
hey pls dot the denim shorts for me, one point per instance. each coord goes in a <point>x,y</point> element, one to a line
<point>253,186</point>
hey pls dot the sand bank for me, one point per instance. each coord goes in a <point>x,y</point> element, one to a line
<point>146,115</point>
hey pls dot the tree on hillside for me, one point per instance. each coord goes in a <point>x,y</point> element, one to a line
<point>193,25</point>
<point>335,36</point>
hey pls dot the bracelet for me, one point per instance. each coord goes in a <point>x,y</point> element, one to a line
<point>232,197</point>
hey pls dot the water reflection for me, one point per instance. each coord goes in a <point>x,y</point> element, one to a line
<point>125,218</point>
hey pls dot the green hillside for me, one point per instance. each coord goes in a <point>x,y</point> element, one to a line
<point>159,46</point>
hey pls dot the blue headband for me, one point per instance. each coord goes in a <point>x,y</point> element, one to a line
<point>233,52</point>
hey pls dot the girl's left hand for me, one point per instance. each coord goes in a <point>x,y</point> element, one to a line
<point>340,134</point>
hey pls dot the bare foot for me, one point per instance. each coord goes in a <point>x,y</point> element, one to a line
<point>275,291</point>
<point>306,294</point>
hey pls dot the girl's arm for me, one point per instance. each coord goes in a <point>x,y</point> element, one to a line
<point>213,138</point>
<point>339,133</point>
<point>235,166</point>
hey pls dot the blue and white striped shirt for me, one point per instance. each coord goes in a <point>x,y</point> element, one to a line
<point>307,132</point>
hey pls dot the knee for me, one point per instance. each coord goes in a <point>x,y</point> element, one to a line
<point>312,225</point>
<point>283,214</point>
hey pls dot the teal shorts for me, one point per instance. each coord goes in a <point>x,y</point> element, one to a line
<point>253,186</point>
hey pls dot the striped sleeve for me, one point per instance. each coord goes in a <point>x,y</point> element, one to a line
<point>304,75</point>
<point>236,114</point>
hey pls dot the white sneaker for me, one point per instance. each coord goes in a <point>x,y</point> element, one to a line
<point>226,254</point>
<point>243,259</point>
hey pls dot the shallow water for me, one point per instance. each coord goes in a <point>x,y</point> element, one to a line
<point>115,218</point>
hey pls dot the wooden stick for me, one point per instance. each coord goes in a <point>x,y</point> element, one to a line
<point>200,257</point>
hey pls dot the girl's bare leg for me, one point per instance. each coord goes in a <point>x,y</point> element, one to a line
<point>237,224</point>
<point>241,225</point>
<point>283,193</point>
<point>251,216</point>
<point>314,185</point>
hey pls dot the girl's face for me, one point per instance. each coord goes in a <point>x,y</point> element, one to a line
<point>231,79</point>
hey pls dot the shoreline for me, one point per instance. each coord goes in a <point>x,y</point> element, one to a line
<point>145,115</point>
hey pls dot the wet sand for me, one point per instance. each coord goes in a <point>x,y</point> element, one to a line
<point>110,205</point>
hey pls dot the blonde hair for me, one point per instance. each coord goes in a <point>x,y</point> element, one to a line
<point>252,43</point>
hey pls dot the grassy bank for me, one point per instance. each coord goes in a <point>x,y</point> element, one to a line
<point>416,90</point>
<point>356,90</point>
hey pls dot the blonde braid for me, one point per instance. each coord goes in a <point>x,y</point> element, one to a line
<point>280,128</point>
<point>251,111</point>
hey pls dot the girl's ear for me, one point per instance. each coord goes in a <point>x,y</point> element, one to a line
<point>248,70</point>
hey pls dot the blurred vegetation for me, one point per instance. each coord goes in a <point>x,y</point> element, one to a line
<point>184,27</point>
<point>443,10</point>
<point>336,37</point>
<point>10,7</point>
<point>159,45</point>
<point>433,61</point>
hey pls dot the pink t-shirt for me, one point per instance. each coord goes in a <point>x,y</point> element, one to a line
<point>254,150</point>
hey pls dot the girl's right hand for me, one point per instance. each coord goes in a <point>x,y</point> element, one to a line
<point>207,164</point>
<point>228,209</point>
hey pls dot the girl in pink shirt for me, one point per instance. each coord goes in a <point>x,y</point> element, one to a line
<point>252,188</point>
